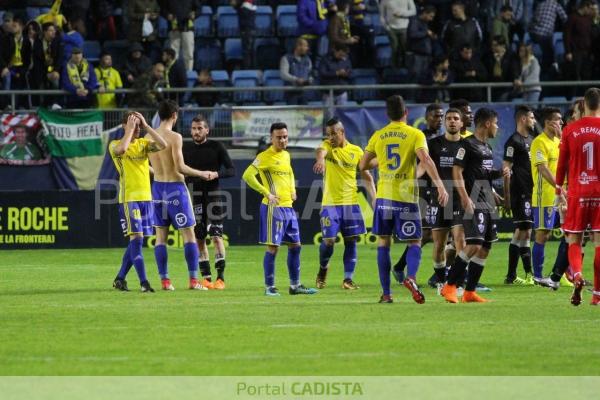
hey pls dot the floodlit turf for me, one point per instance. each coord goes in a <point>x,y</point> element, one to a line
<point>60,316</point>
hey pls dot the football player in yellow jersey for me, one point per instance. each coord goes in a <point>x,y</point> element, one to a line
<point>278,223</point>
<point>340,213</point>
<point>397,146</point>
<point>544,158</point>
<point>130,156</point>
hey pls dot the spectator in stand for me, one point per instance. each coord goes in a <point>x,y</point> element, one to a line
<point>7,20</point>
<point>205,99</point>
<point>181,15</point>
<point>137,64</point>
<point>143,26</point>
<point>461,30</point>
<point>468,69</point>
<point>73,37</point>
<point>542,28</point>
<point>527,84</point>
<point>79,79</point>
<point>312,22</point>
<point>104,19</point>
<point>338,31</point>
<point>46,56</point>
<point>438,74</point>
<point>247,15</point>
<point>175,75</point>
<point>148,88</point>
<point>504,24</point>
<point>502,66</point>
<point>22,149</point>
<point>336,69</point>
<point>109,80</point>
<point>595,38</point>
<point>578,42</point>
<point>420,40</point>
<point>76,9</point>
<point>363,52</point>
<point>33,55</point>
<point>522,11</point>
<point>6,31</point>
<point>53,16</point>
<point>295,69</point>
<point>394,17</point>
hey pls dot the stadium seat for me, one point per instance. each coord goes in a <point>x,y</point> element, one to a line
<point>246,78</point>
<point>271,77</point>
<point>396,75</point>
<point>267,53</point>
<point>373,103</point>
<point>287,22</point>
<point>555,99</point>
<point>383,51</point>
<point>191,81</point>
<point>163,28</point>
<point>203,25</point>
<point>119,50</point>
<point>375,23</point>
<point>316,103</point>
<point>208,54</point>
<point>323,46</point>
<point>557,37</point>
<point>221,79</point>
<point>537,51</point>
<point>366,76</point>
<point>91,50</point>
<point>263,22</point>
<point>559,51</point>
<point>233,50</point>
<point>227,22</point>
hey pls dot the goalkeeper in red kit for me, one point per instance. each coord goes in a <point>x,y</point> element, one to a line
<point>579,161</point>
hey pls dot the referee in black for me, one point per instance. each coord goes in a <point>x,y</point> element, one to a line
<point>209,155</point>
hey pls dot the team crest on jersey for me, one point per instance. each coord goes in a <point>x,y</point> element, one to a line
<point>461,153</point>
<point>180,218</point>
<point>409,228</point>
<point>255,162</point>
<point>510,151</point>
<point>539,155</point>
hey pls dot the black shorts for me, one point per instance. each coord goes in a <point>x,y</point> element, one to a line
<point>209,214</point>
<point>480,228</point>
<point>425,209</point>
<point>444,217</point>
<point>520,206</point>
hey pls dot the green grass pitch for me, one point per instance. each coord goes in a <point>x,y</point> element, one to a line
<point>60,316</point>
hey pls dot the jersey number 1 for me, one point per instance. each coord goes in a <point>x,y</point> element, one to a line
<point>393,156</point>
<point>588,148</point>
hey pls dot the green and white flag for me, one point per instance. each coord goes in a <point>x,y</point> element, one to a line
<point>78,135</point>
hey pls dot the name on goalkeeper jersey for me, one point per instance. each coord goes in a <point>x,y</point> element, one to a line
<point>587,129</point>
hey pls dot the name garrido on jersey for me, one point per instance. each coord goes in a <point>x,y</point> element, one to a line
<point>386,135</point>
<point>586,129</point>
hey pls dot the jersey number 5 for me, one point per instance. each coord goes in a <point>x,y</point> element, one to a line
<point>393,156</point>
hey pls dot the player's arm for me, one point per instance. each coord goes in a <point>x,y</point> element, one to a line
<point>561,168</point>
<point>420,170</point>
<point>227,168</point>
<point>249,177</point>
<point>369,184</point>
<point>130,127</point>
<point>180,164</point>
<point>366,162</point>
<point>546,174</point>
<point>507,164</point>
<point>293,185</point>
<point>158,143</point>
<point>431,170</point>
<point>459,185</point>
<point>319,166</point>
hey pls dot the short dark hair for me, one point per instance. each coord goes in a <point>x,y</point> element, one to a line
<point>427,9</point>
<point>505,7</point>
<point>20,126</point>
<point>454,110</point>
<point>104,54</point>
<point>433,107</point>
<point>484,115</point>
<point>166,108</point>
<point>46,26</point>
<point>200,118</point>
<point>170,52</point>
<point>499,39</point>
<point>547,112</point>
<point>586,3</point>
<point>332,121</point>
<point>459,103</point>
<point>522,111</point>
<point>276,126</point>
<point>125,116</point>
<point>340,47</point>
<point>395,107</point>
<point>466,46</point>
<point>592,98</point>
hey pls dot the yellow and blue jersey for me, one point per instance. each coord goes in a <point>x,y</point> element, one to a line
<point>134,171</point>
<point>339,183</point>
<point>276,174</point>
<point>395,147</point>
<point>543,150</point>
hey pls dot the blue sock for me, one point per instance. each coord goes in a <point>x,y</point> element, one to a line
<point>160,254</point>
<point>384,263</point>
<point>192,255</point>
<point>293,263</point>
<point>126,264</point>
<point>537,255</point>
<point>349,259</point>
<point>325,253</point>
<point>135,248</point>
<point>269,267</point>
<point>413,260</point>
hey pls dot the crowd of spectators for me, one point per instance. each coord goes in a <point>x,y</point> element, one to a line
<point>434,42</point>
